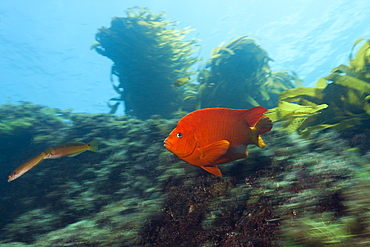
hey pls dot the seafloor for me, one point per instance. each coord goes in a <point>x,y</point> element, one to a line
<point>134,192</point>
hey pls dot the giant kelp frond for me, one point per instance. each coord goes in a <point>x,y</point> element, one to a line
<point>340,100</point>
<point>238,76</point>
<point>149,54</point>
<point>361,62</point>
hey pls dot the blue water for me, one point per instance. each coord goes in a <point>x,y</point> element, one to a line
<point>45,55</point>
<point>46,60</point>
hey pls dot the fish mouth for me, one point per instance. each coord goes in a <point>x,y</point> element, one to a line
<point>167,144</point>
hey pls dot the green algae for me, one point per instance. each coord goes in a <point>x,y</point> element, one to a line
<point>339,101</point>
<point>23,118</point>
<point>133,192</point>
<point>82,186</point>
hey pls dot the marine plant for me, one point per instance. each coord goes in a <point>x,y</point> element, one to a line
<point>66,191</point>
<point>328,196</point>
<point>23,118</point>
<point>133,192</point>
<point>340,100</point>
<point>316,183</point>
<point>238,76</point>
<point>149,54</point>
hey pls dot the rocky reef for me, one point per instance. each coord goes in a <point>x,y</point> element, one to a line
<point>133,192</point>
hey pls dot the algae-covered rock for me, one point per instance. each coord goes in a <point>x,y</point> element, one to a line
<point>133,192</point>
<point>293,181</point>
<point>29,118</point>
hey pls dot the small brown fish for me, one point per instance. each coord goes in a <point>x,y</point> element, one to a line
<point>181,81</point>
<point>28,165</point>
<point>71,149</point>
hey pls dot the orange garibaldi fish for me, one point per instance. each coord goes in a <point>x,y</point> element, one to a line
<point>214,136</point>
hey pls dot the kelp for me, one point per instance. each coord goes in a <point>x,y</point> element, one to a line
<point>237,75</point>
<point>149,54</point>
<point>340,100</point>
